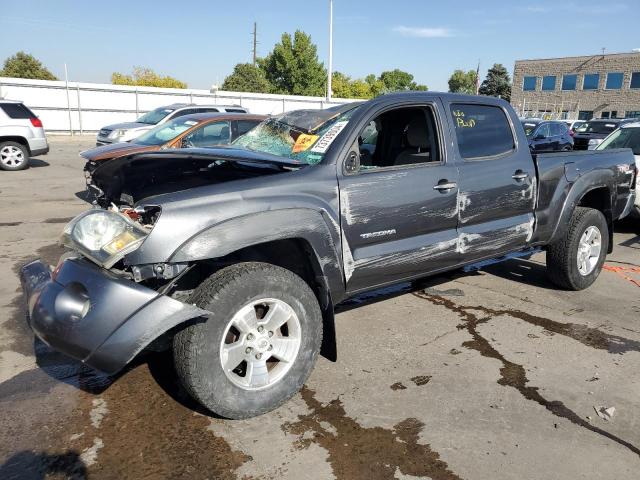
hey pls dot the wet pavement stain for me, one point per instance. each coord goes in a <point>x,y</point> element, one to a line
<point>398,386</point>
<point>371,453</point>
<point>514,375</point>
<point>421,380</point>
<point>10,224</point>
<point>147,433</point>
<point>58,220</point>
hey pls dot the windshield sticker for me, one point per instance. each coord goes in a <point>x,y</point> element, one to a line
<point>327,139</point>
<point>303,142</point>
<point>191,123</point>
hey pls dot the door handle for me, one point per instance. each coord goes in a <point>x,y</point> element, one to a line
<point>520,175</point>
<point>444,186</point>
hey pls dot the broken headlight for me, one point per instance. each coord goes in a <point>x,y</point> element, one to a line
<point>103,236</point>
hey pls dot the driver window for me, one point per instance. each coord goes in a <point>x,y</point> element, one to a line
<point>211,134</point>
<point>403,136</point>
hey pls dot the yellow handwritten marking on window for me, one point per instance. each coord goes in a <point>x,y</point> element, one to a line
<point>462,123</point>
<point>303,142</point>
<point>458,113</point>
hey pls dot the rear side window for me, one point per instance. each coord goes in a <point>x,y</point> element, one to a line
<point>481,130</point>
<point>235,110</point>
<point>16,110</point>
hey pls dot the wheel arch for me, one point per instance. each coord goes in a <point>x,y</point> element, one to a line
<point>17,139</point>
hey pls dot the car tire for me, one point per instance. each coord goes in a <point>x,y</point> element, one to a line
<point>567,148</point>
<point>206,353</point>
<point>13,156</point>
<point>575,261</point>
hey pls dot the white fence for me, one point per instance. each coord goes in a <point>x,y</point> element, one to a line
<point>86,107</point>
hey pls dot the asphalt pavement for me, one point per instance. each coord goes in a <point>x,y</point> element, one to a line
<point>492,375</point>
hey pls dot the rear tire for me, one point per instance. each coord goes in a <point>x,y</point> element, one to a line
<point>575,261</point>
<point>13,156</point>
<point>257,347</point>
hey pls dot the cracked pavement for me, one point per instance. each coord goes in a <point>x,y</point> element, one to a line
<point>492,375</point>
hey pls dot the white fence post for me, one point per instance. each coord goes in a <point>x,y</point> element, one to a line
<point>79,108</point>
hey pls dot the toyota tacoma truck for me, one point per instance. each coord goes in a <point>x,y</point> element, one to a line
<point>234,257</point>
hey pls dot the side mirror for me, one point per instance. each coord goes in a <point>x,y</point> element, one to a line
<point>184,143</point>
<point>540,136</point>
<point>352,163</point>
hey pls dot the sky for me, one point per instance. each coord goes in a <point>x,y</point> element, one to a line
<point>200,41</point>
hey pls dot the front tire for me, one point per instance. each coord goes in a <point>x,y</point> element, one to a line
<point>258,346</point>
<point>575,261</point>
<point>13,156</point>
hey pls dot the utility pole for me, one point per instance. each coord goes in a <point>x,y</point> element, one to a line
<point>330,50</point>
<point>255,43</point>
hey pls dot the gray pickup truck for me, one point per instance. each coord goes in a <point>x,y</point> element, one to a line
<point>235,257</point>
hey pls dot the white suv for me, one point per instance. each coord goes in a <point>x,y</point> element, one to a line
<point>627,136</point>
<point>21,136</point>
<point>123,132</point>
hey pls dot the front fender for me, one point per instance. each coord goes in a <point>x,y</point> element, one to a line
<point>316,227</point>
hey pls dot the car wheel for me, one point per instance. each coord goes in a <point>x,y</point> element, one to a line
<point>567,148</point>
<point>575,261</point>
<point>13,156</point>
<point>258,345</point>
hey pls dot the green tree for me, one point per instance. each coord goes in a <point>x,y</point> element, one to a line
<point>343,86</point>
<point>397,80</point>
<point>497,83</point>
<point>376,86</point>
<point>247,77</point>
<point>146,77</point>
<point>24,65</point>
<point>463,82</point>
<point>293,66</point>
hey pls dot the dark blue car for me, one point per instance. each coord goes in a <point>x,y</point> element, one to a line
<point>547,135</point>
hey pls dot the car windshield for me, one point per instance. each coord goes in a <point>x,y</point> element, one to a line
<point>301,135</point>
<point>529,128</point>
<point>597,127</point>
<point>623,138</point>
<point>165,132</point>
<point>154,116</point>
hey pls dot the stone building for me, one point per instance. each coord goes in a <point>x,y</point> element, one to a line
<point>595,86</point>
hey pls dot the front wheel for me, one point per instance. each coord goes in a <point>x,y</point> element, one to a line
<point>257,347</point>
<point>575,261</point>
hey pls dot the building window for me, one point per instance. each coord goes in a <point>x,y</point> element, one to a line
<point>591,81</point>
<point>614,80</point>
<point>529,84</point>
<point>635,80</point>
<point>585,114</point>
<point>604,115</point>
<point>549,82</point>
<point>632,114</point>
<point>614,114</point>
<point>569,82</point>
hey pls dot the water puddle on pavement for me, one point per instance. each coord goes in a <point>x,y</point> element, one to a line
<point>514,375</point>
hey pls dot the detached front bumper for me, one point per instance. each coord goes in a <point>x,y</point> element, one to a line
<point>91,314</point>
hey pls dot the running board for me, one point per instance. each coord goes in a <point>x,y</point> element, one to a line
<point>474,267</point>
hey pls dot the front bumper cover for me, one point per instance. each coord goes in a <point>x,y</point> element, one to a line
<point>93,315</point>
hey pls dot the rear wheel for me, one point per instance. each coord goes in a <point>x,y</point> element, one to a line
<point>575,261</point>
<point>13,156</point>
<point>257,347</point>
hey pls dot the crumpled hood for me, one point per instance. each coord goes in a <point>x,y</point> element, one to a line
<point>115,150</point>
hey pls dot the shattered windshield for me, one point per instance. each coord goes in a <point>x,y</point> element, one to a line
<point>301,135</point>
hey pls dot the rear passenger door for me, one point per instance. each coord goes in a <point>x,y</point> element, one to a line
<point>397,198</point>
<point>497,182</point>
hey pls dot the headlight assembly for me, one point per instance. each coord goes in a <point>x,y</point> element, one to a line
<point>119,133</point>
<point>104,236</point>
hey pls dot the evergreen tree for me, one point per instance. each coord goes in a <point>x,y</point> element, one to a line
<point>497,83</point>
<point>24,65</point>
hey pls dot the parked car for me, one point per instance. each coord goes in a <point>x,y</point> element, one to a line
<point>573,125</point>
<point>21,136</point>
<point>627,136</point>
<point>234,257</point>
<point>195,130</point>
<point>124,132</point>
<point>547,135</point>
<point>589,135</point>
